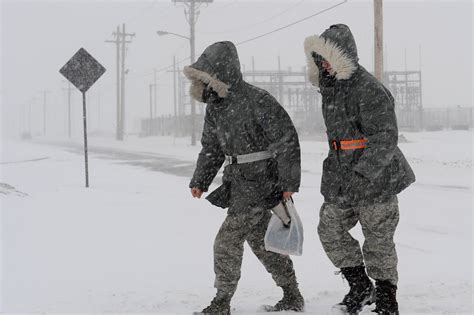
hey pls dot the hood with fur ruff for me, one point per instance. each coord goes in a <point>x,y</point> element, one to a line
<point>337,46</point>
<point>218,67</point>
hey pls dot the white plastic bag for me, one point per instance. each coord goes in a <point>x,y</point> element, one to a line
<point>285,240</point>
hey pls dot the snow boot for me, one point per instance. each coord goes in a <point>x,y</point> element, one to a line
<point>220,305</point>
<point>385,298</point>
<point>292,301</point>
<point>361,291</point>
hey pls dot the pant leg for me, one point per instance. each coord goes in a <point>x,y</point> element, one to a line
<point>279,266</point>
<point>379,222</point>
<point>333,229</point>
<point>229,250</point>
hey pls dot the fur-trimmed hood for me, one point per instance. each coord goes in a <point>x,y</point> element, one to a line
<point>337,46</point>
<point>218,67</point>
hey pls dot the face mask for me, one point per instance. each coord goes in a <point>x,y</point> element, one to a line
<point>208,95</point>
<point>325,79</point>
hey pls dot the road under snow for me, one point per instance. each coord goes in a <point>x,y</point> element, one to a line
<point>135,241</point>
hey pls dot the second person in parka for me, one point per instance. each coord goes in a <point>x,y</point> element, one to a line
<point>246,128</point>
<point>363,173</point>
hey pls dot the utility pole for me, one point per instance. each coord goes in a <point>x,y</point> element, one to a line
<point>176,121</point>
<point>153,106</point>
<point>122,96</point>
<point>253,69</point>
<point>192,14</point>
<point>21,121</point>
<point>29,117</point>
<point>99,104</point>
<point>69,90</point>
<point>406,82</point>
<point>120,42</point>
<point>378,39</point>
<point>117,46</point>
<point>192,24</point>
<point>45,92</point>
<point>174,98</point>
<point>280,82</point>
<point>22,124</point>
<point>180,100</point>
<point>150,130</point>
<point>421,86</point>
<point>155,93</point>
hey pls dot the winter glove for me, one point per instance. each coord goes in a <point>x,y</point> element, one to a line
<point>221,196</point>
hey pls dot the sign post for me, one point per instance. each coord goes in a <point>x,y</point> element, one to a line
<point>82,70</point>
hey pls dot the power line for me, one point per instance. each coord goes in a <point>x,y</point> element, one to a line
<point>147,9</point>
<point>164,68</point>
<point>224,6</point>
<point>260,36</point>
<point>291,24</point>
<point>240,29</point>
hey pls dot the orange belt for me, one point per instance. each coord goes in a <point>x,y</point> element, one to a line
<point>349,144</point>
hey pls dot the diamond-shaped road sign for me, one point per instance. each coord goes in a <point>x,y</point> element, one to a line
<point>82,70</point>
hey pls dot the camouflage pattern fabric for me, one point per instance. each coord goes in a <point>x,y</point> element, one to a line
<point>378,222</point>
<point>237,228</point>
<point>244,120</point>
<point>356,106</point>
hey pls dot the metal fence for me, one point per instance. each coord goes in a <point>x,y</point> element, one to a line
<point>311,122</point>
<point>457,118</point>
<point>296,94</point>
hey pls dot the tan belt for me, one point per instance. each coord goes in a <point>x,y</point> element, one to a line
<point>248,158</point>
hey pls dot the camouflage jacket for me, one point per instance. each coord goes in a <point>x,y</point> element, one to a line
<point>355,106</point>
<point>242,119</point>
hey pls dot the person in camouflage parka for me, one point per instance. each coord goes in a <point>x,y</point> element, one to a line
<point>242,119</point>
<point>364,170</point>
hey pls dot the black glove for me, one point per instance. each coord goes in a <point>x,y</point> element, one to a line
<point>221,196</point>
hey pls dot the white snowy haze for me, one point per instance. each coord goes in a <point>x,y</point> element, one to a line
<point>38,37</point>
<point>135,241</point>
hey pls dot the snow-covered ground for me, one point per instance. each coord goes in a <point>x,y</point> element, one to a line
<point>136,241</point>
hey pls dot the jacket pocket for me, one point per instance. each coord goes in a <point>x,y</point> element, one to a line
<point>330,181</point>
<point>401,174</point>
<point>257,181</point>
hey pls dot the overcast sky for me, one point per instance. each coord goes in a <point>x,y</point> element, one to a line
<point>38,37</point>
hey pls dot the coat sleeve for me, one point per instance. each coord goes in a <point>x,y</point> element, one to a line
<point>210,158</point>
<point>284,143</point>
<point>379,124</point>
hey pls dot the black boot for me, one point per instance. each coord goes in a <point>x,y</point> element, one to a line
<point>292,301</point>
<point>220,305</point>
<point>361,291</point>
<point>385,298</point>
